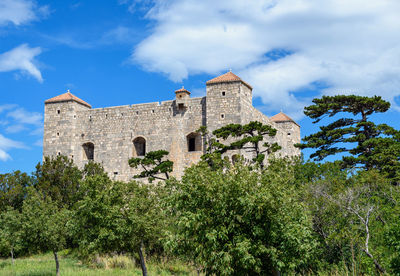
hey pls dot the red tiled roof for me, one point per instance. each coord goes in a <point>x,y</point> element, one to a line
<point>228,77</point>
<point>65,98</point>
<point>182,90</point>
<point>282,117</point>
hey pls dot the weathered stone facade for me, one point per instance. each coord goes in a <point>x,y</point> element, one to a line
<point>113,135</point>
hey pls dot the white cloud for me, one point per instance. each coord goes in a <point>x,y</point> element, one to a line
<point>20,12</point>
<point>18,120</point>
<point>351,46</point>
<point>15,128</point>
<point>6,144</point>
<point>21,116</point>
<point>21,58</point>
<point>6,107</point>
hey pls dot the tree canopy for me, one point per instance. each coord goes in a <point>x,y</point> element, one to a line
<point>369,145</point>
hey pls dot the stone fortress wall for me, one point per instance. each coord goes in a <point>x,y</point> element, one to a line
<point>113,135</point>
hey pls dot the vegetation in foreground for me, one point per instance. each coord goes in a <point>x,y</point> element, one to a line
<point>292,217</point>
<point>43,265</point>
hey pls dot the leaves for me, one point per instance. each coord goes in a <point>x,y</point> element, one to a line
<point>234,220</point>
<point>153,164</point>
<point>369,146</point>
<point>249,138</point>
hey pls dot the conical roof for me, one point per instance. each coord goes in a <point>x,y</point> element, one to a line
<point>281,118</point>
<point>182,90</point>
<point>67,97</point>
<point>228,77</point>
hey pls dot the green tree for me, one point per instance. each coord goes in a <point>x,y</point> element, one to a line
<point>237,221</point>
<point>249,137</point>
<point>10,231</point>
<point>13,189</point>
<point>370,146</point>
<point>144,219</point>
<point>351,211</point>
<point>153,164</point>
<point>117,217</point>
<point>58,178</point>
<point>45,224</point>
<point>92,168</point>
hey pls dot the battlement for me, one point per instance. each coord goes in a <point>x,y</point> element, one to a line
<point>112,135</point>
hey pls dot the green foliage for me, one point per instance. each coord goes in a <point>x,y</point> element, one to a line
<point>58,178</point>
<point>248,137</point>
<point>92,168</point>
<point>370,146</point>
<point>115,217</point>
<point>13,189</point>
<point>44,223</point>
<point>153,164</point>
<point>238,221</point>
<point>351,213</point>
<point>10,231</point>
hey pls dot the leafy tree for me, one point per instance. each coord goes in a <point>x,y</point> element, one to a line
<point>45,224</point>
<point>58,178</point>
<point>117,217</point>
<point>143,219</point>
<point>351,213</point>
<point>249,137</point>
<point>153,164</point>
<point>237,221</point>
<point>10,231</point>
<point>370,146</point>
<point>92,168</point>
<point>13,189</point>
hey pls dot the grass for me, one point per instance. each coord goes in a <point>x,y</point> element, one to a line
<point>44,265</point>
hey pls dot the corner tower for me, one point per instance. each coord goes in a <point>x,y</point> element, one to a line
<point>228,100</point>
<point>60,125</point>
<point>289,133</point>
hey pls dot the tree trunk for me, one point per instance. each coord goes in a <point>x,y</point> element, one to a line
<point>57,263</point>
<point>12,256</point>
<point>142,260</point>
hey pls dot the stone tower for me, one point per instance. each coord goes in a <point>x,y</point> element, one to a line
<point>61,125</point>
<point>113,135</point>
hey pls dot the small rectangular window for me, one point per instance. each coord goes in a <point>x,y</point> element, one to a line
<point>58,111</point>
<point>223,93</point>
<point>222,116</point>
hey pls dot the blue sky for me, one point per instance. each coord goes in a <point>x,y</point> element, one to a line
<point>119,52</point>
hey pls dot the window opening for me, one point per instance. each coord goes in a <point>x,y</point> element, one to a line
<point>139,146</point>
<point>193,142</point>
<point>88,151</point>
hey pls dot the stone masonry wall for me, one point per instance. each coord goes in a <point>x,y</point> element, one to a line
<point>166,125</point>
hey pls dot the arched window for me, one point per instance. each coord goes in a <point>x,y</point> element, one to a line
<point>139,146</point>
<point>193,141</point>
<point>88,151</point>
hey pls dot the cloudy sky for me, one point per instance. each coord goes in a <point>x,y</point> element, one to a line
<point>121,52</point>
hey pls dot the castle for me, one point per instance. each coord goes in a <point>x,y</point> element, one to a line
<point>113,135</point>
